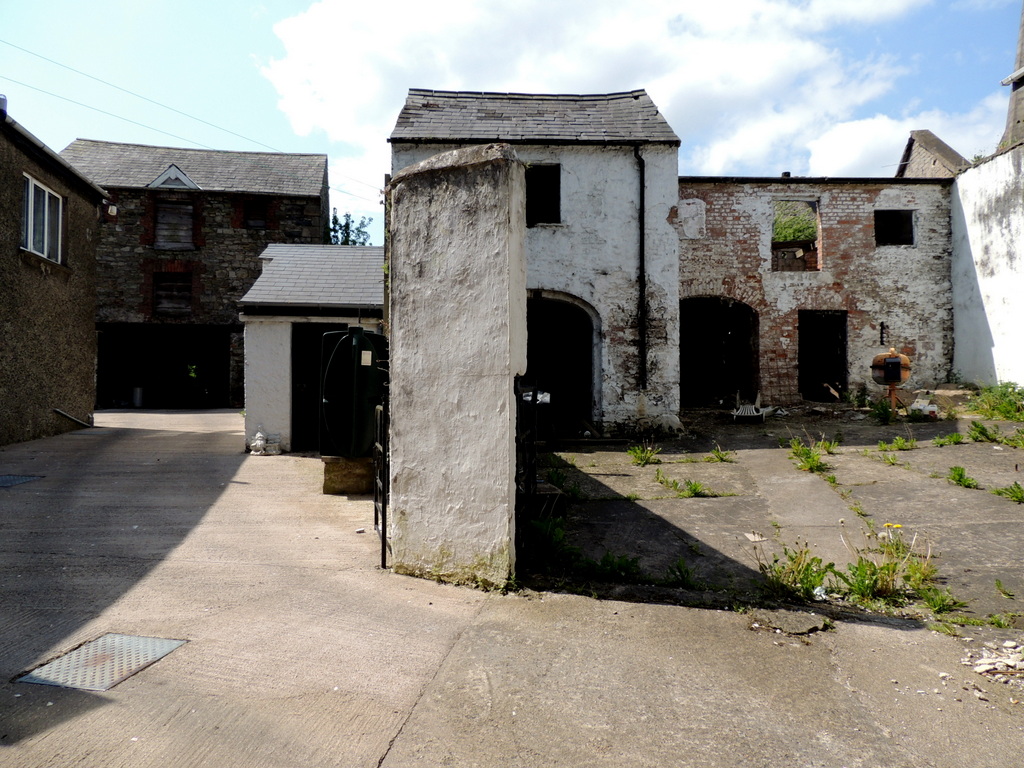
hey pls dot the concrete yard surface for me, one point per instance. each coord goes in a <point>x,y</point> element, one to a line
<point>301,652</point>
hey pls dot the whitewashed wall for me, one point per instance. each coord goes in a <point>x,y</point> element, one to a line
<point>593,255</point>
<point>268,372</point>
<point>456,221</point>
<point>988,270</point>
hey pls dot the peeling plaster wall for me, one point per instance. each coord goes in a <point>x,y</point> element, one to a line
<point>593,256</point>
<point>725,231</point>
<point>988,270</point>
<point>457,220</point>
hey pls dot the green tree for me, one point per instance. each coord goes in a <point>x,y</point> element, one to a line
<point>345,231</point>
<point>794,220</point>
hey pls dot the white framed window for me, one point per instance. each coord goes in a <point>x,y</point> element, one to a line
<point>41,220</point>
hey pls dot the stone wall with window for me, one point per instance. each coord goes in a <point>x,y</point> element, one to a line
<point>48,283</point>
<point>185,258</point>
<point>878,275</point>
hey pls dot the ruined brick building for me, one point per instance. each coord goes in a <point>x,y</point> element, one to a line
<point>178,250</point>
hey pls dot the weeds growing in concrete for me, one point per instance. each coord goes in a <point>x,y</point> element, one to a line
<point>980,433</point>
<point>717,454</point>
<point>1012,492</point>
<point>1003,590</point>
<point>898,444</point>
<point>807,457</point>
<point>1003,401</point>
<point>680,574</point>
<point>688,489</point>
<point>796,573</point>
<point>940,601</point>
<point>959,476</point>
<point>882,411</point>
<point>644,454</point>
<point>953,438</point>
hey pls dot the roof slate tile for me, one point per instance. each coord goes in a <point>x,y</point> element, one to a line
<point>134,166</point>
<point>625,118</point>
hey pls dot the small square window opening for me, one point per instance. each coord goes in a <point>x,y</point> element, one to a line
<point>543,194</point>
<point>894,227</point>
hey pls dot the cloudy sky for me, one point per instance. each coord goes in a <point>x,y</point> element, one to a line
<point>752,87</point>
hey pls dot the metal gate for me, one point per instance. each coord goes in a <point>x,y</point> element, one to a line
<point>380,481</point>
<point>526,459</point>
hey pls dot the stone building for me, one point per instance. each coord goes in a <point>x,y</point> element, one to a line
<point>179,249</point>
<point>602,258</point>
<point>49,217</point>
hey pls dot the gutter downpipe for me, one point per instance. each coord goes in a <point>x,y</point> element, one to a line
<point>641,299</point>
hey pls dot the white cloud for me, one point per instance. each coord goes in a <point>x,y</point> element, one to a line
<point>873,146</point>
<point>751,86</point>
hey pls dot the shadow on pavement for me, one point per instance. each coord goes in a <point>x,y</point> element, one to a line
<point>108,506</point>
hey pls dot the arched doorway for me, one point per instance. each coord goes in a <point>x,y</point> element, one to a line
<point>560,360</point>
<point>718,352</point>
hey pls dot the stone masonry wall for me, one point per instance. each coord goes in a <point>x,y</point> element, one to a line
<point>725,231</point>
<point>224,262</point>
<point>46,316</point>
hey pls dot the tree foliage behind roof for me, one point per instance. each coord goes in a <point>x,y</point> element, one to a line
<point>345,231</point>
<point>794,220</point>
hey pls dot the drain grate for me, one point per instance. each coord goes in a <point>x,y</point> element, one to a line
<point>6,481</point>
<point>102,663</point>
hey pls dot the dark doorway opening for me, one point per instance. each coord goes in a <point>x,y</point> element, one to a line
<point>821,354</point>
<point>560,361</point>
<point>306,342</point>
<point>163,366</point>
<point>718,354</point>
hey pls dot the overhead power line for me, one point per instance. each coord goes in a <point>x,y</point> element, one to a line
<point>156,103</point>
<point>131,93</point>
<point>103,111</point>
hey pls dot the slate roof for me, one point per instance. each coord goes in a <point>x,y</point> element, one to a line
<point>320,276</point>
<point>46,156</point>
<point>523,118</point>
<point>114,165</point>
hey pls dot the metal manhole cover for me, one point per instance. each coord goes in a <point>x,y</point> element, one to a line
<point>102,663</point>
<point>6,481</point>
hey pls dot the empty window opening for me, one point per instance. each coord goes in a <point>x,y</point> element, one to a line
<point>718,352</point>
<point>255,213</point>
<point>543,194</point>
<point>172,294</point>
<point>795,236</point>
<point>821,354</point>
<point>894,227</point>
<point>173,226</point>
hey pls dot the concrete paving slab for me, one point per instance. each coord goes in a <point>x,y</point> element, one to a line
<point>302,652</point>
